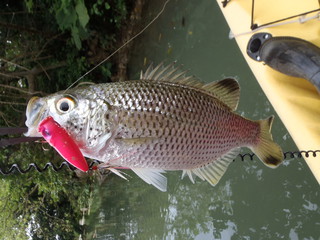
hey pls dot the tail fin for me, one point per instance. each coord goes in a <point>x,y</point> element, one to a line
<point>267,150</point>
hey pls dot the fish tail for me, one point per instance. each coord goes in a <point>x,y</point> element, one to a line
<point>266,149</point>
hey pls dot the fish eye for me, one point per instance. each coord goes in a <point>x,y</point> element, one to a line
<point>65,104</point>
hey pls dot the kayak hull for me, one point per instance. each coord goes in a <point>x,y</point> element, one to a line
<point>296,100</point>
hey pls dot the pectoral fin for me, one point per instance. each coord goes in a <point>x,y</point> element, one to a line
<point>135,141</point>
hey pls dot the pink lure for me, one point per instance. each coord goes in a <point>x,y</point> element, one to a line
<point>59,138</point>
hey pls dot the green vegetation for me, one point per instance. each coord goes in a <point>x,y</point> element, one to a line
<point>41,205</point>
<point>45,46</point>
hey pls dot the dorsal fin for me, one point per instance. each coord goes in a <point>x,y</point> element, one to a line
<point>170,73</point>
<point>226,90</point>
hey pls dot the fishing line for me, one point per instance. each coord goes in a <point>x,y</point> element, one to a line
<point>14,168</point>
<point>126,43</point>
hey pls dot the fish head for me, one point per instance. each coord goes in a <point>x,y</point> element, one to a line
<point>61,107</point>
<point>86,116</point>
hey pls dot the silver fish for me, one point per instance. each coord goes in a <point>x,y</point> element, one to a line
<point>164,121</point>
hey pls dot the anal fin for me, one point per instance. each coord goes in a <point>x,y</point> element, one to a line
<point>152,176</point>
<point>213,172</point>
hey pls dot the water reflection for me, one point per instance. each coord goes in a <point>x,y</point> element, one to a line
<point>264,209</point>
<point>133,210</point>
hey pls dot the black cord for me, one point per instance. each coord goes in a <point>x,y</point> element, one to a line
<point>286,155</point>
<point>16,168</point>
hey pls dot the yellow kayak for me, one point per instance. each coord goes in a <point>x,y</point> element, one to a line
<point>295,99</point>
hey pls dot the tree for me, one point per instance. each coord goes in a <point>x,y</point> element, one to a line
<point>45,46</point>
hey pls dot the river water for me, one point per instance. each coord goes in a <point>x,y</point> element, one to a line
<point>251,201</point>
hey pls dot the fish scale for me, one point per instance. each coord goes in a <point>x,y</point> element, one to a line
<point>164,121</point>
<point>188,116</point>
<point>187,113</point>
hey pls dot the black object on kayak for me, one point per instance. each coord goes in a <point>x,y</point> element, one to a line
<point>289,55</point>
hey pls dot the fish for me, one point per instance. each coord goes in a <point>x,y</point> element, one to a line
<point>167,120</point>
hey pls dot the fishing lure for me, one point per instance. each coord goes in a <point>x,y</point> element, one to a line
<point>59,139</point>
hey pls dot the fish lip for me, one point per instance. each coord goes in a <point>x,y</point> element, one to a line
<point>35,113</point>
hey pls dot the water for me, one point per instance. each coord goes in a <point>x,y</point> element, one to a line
<point>251,201</point>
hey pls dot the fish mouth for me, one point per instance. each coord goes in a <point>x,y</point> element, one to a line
<point>35,114</point>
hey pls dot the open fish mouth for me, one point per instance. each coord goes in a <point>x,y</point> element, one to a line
<point>34,113</point>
